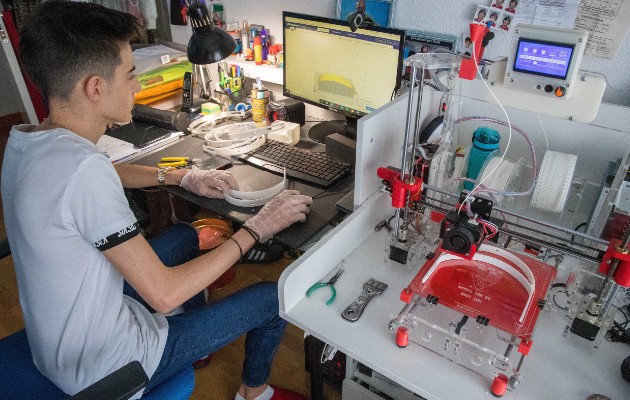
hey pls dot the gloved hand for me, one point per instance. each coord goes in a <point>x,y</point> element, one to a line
<point>209,183</point>
<point>282,211</point>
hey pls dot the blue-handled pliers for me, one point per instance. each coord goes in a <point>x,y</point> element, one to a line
<point>331,283</point>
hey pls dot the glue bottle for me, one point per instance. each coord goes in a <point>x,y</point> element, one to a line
<point>257,50</point>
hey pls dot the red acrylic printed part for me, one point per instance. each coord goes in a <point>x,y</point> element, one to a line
<point>525,346</point>
<point>405,295</point>
<point>402,336</point>
<point>468,68</point>
<point>622,273</point>
<point>400,188</point>
<point>481,288</point>
<point>437,216</point>
<point>499,385</point>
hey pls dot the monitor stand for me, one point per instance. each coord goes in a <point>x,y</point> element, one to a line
<point>347,128</point>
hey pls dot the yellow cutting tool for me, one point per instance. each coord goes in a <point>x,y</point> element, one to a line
<point>174,162</point>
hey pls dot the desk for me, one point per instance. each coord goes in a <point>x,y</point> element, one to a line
<point>557,367</point>
<point>322,211</point>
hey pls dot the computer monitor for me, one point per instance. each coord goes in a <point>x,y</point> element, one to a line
<point>330,66</point>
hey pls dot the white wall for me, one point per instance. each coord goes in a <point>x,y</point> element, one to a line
<point>443,16</point>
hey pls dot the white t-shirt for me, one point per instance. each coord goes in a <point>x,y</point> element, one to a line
<point>63,204</point>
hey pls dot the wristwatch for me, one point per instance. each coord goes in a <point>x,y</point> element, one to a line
<point>161,174</point>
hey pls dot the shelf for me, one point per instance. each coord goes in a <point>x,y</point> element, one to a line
<point>267,73</point>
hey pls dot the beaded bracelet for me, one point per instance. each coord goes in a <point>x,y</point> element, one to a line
<point>240,250</point>
<point>253,233</point>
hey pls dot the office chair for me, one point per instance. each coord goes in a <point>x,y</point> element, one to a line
<point>20,379</point>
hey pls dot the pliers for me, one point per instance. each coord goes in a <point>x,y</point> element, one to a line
<point>331,283</point>
<point>174,162</point>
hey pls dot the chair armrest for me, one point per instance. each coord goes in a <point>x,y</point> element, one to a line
<point>119,385</point>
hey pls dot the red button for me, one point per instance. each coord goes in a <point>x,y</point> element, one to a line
<point>560,91</point>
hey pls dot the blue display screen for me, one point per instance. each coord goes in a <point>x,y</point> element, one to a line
<point>543,58</point>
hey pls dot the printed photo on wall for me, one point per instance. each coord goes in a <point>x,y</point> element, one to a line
<point>505,22</point>
<point>375,12</point>
<point>493,19</point>
<point>481,15</point>
<point>512,5</point>
<point>498,4</point>
<point>466,46</point>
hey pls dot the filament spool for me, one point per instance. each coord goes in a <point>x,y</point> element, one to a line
<point>554,181</point>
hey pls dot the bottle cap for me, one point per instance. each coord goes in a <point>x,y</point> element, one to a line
<point>257,40</point>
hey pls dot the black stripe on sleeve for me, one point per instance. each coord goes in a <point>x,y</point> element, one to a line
<point>117,238</point>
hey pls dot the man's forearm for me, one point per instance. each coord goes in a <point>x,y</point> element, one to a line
<point>138,176</point>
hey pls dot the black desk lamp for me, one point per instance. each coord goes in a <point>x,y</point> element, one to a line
<point>208,44</point>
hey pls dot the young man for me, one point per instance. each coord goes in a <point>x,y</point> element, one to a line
<point>75,242</point>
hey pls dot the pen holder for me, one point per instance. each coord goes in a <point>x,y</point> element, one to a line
<point>260,99</point>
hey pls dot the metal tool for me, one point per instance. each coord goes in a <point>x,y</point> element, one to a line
<point>371,289</point>
<point>331,283</point>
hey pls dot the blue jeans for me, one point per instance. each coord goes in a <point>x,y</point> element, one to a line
<point>205,328</point>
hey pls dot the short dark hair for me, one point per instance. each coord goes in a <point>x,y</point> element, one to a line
<point>63,41</point>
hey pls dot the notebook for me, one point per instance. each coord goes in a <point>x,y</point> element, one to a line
<point>139,134</point>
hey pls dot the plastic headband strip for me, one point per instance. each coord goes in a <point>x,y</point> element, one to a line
<point>236,149</point>
<point>238,132</point>
<point>199,126</point>
<point>257,198</point>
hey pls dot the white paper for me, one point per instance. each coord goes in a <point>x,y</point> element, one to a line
<point>115,148</point>
<point>119,151</point>
<point>606,21</point>
<point>556,13</point>
<point>149,58</point>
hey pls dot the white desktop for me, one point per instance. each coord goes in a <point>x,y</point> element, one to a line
<point>561,364</point>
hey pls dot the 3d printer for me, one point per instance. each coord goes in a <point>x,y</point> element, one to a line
<point>478,293</point>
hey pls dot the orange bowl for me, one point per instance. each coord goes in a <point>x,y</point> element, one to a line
<point>212,232</point>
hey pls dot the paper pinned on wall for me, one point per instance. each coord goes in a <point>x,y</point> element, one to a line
<point>554,13</point>
<point>607,22</point>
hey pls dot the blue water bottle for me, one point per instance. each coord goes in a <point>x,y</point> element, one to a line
<point>485,141</point>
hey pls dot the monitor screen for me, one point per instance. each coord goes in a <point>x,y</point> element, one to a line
<point>543,58</point>
<point>328,65</point>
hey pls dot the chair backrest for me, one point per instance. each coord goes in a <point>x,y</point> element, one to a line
<point>4,248</point>
<point>20,379</point>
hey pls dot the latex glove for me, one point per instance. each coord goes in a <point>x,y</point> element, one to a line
<point>282,211</point>
<point>209,183</point>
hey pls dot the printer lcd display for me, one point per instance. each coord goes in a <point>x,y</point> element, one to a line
<point>543,58</point>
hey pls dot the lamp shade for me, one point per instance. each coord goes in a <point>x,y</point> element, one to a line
<point>208,43</point>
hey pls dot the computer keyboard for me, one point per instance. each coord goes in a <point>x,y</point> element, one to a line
<point>316,168</point>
